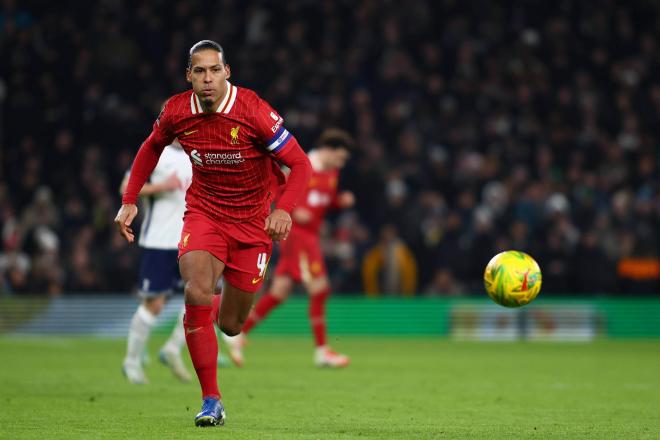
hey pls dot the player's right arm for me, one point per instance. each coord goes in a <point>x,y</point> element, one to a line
<point>144,163</point>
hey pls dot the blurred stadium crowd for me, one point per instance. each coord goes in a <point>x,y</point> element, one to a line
<point>481,126</point>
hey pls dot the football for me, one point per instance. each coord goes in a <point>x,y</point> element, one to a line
<point>512,279</point>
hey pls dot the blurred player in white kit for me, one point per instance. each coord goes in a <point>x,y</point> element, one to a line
<point>164,204</point>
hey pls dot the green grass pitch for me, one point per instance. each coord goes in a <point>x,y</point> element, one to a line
<point>396,388</point>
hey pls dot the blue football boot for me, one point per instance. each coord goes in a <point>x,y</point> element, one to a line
<point>212,413</point>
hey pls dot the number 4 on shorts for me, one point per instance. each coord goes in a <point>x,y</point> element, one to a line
<point>262,263</point>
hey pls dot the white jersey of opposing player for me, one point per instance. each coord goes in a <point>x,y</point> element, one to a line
<point>163,212</point>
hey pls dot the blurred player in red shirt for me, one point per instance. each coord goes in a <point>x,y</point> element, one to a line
<point>301,260</point>
<point>235,142</point>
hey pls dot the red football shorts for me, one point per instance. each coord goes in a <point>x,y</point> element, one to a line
<point>300,257</point>
<point>245,248</point>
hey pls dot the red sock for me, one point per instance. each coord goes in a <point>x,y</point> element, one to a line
<point>317,315</point>
<point>266,303</point>
<point>203,347</point>
<point>215,312</point>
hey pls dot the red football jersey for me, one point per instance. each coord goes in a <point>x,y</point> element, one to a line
<point>231,150</point>
<point>320,196</point>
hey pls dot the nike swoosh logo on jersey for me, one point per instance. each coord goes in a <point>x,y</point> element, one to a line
<point>186,133</point>
<point>256,280</point>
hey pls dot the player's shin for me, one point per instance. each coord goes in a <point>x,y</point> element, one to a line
<point>317,316</point>
<point>170,354</point>
<point>203,347</point>
<point>324,356</point>
<point>177,338</point>
<point>138,333</point>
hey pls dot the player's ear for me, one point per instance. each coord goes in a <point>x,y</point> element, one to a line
<point>188,75</point>
<point>228,69</point>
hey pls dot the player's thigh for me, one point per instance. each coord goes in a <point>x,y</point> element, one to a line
<point>249,251</point>
<point>235,307</point>
<point>314,273</point>
<point>281,287</point>
<point>200,272</point>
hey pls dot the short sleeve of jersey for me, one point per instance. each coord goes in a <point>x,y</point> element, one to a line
<point>161,130</point>
<point>269,126</point>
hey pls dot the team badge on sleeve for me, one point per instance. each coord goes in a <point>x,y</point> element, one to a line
<point>278,122</point>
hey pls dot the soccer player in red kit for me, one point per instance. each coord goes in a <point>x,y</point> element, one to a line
<point>235,141</point>
<point>301,259</point>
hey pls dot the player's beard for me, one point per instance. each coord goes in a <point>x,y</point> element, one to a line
<point>207,103</point>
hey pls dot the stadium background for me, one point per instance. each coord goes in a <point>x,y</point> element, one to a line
<point>481,126</point>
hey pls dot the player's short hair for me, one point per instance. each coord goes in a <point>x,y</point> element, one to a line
<point>335,138</point>
<point>205,44</point>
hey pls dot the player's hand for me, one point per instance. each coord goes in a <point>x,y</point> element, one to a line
<point>302,215</point>
<point>278,225</point>
<point>346,199</point>
<point>172,183</point>
<point>124,219</point>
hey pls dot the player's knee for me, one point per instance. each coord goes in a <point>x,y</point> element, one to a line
<point>156,303</point>
<point>196,293</point>
<point>230,328</point>
<point>317,286</point>
<point>281,288</point>
<point>280,294</point>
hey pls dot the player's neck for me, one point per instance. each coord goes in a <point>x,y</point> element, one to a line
<point>213,107</point>
<point>210,108</point>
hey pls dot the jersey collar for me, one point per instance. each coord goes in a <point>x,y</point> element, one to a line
<point>225,106</point>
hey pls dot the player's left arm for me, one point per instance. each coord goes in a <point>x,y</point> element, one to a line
<point>285,149</point>
<point>278,224</point>
<point>296,160</point>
